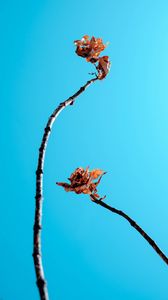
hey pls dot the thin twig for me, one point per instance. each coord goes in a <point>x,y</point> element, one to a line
<point>37,255</point>
<point>135,225</point>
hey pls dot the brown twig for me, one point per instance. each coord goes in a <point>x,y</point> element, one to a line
<point>37,256</point>
<point>135,225</point>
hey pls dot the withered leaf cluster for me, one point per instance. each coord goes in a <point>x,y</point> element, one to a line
<point>91,49</point>
<point>83,181</point>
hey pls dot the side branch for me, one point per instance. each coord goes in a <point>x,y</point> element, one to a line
<point>37,256</point>
<point>136,226</point>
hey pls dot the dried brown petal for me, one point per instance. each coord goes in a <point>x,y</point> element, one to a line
<point>103,67</point>
<point>95,173</point>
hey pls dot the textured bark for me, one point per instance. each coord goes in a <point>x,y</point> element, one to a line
<point>135,225</point>
<point>37,255</point>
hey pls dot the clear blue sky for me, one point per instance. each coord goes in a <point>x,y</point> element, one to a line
<point>119,125</point>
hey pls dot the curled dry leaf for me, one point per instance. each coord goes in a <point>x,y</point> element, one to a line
<point>103,67</point>
<point>91,49</point>
<point>82,181</point>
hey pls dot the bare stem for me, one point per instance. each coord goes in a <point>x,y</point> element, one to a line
<point>135,225</point>
<point>37,255</point>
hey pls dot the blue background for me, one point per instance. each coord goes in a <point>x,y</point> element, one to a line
<point>119,124</point>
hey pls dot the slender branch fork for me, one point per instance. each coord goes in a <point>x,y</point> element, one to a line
<point>134,225</point>
<point>37,255</point>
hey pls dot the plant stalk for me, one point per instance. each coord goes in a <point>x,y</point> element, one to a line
<point>37,253</point>
<point>135,226</point>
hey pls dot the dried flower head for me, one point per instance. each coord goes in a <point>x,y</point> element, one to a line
<point>91,49</point>
<point>83,181</point>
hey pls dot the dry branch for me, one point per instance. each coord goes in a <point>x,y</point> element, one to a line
<point>37,255</point>
<point>134,225</point>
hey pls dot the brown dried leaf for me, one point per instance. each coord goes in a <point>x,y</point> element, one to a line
<point>103,67</point>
